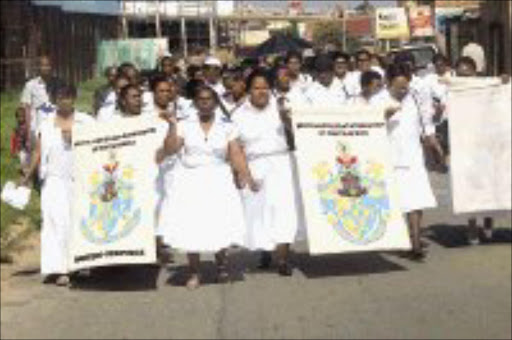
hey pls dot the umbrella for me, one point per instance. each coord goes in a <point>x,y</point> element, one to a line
<point>280,43</point>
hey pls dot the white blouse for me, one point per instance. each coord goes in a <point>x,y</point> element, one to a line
<point>261,131</point>
<point>56,155</point>
<point>334,94</point>
<point>204,149</point>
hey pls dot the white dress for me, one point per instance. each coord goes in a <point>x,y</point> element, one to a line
<point>405,128</point>
<point>56,195</point>
<point>165,177</point>
<point>334,94</point>
<point>273,214</point>
<point>205,211</point>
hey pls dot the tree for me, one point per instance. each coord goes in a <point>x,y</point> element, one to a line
<point>328,33</point>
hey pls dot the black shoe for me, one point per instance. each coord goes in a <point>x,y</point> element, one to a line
<point>265,260</point>
<point>285,269</point>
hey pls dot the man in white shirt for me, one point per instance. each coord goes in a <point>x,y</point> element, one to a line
<point>299,80</point>
<point>35,95</point>
<point>327,89</point>
<point>353,81</point>
<point>476,52</point>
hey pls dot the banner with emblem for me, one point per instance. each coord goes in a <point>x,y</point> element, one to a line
<point>349,195</point>
<point>480,132</point>
<point>114,193</point>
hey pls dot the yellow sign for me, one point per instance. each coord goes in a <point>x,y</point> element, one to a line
<point>391,23</point>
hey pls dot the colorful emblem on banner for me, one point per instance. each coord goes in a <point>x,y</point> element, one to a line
<point>353,196</point>
<point>112,215</point>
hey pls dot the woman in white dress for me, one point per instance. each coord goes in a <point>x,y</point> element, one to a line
<point>205,212</point>
<point>54,157</point>
<point>406,125</point>
<point>166,104</point>
<point>272,212</point>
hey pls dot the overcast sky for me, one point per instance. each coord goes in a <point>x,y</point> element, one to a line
<point>110,6</point>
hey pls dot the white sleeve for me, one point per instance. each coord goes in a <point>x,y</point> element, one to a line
<point>25,95</point>
<point>233,133</point>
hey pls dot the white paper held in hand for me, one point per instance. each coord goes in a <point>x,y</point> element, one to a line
<point>15,196</point>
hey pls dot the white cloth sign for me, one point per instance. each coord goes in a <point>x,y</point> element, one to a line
<point>351,202</point>
<point>114,171</point>
<point>479,112</point>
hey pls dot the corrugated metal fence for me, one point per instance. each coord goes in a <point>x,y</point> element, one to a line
<point>69,39</point>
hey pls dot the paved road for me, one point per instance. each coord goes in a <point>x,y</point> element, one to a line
<point>459,292</point>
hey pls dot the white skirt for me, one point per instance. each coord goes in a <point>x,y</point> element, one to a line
<point>203,212</point>
<point>163,185</point>
<point>414,188</point>
<point>56,208</point>
<point>274,215</point>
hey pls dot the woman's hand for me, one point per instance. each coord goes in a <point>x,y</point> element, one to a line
<point>390,112</point>
<point>255,186</point>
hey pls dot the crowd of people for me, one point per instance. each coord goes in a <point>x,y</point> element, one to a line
<point>227,146</point>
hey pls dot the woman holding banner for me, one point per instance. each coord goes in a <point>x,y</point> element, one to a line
<point>406,124</point>
<point>204,209</point>
<point>271,213</point>
<point>54,156</point>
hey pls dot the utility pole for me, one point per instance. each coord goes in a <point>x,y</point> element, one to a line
<point>213,29</point>
<point>124,21</point>
<point>157,20</point>
<point>344,25</point>
<point>184,44</point>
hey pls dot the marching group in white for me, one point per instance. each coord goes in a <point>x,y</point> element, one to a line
<point>227,172</point>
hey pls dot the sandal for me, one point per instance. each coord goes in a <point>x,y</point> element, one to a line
<point>62,281</point>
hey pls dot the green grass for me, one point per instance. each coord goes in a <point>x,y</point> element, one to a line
<point>9,165</point>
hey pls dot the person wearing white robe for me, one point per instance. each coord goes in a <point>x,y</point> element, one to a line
<point>421,93</point>
<point>326,89</point>
<point>371,90</point>
<point>285,95</point>
<point>205,210</point>
<point>272,213</point>
<point>108,111</point>
<point>352,82</point>
<point>236,96</point>
<point>437,82</point>
<point>298,80</point>
<point>166,104</point>
<point>54,156</point>
<point>406,124</point>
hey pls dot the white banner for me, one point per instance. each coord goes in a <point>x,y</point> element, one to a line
<point>114,197</point>
<point>350,200</point>
<point>479,112</point>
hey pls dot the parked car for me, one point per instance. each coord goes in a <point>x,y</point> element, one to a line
<point>423,54</point>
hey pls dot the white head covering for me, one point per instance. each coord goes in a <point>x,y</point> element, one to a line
<point>212,61</point>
